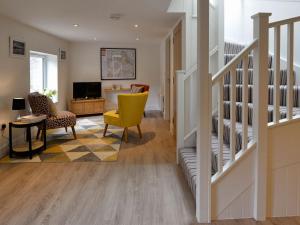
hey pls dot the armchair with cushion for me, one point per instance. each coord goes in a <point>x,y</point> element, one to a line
<point>144,87</point>
<point>140,88</point>
<point>41,104</point>
<point>130,113</point>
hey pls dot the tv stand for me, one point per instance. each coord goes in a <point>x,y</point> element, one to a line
<point>83,107</point>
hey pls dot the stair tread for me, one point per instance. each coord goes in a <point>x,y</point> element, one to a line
<point>270,107</point>
<point>188,161</point>
<point>226,132</point>
<point>269,85</point>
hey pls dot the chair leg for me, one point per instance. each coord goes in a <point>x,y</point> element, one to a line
<point>125,134</point>
<point>38,133</point>
<point>140,132</point>
<point>144,114</point>
<point>42,135</point>
<point>74,132</point>
<point>66,128</point>
<point>105,130</point>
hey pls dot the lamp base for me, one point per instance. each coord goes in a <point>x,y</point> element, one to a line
<point>19,117</point>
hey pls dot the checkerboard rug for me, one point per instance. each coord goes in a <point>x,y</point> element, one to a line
<point>90,145</point>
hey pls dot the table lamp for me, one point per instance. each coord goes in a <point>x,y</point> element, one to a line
<point>18,104</point>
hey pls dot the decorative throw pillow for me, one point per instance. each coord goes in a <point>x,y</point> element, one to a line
<point>136,89</point>
<point>52,107</point>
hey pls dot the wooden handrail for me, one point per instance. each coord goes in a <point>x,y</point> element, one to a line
<point>190,72</point>
<point>233,62</point>
<point>284,22</point>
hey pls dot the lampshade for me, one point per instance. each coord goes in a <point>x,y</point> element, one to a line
<point>18,104</point>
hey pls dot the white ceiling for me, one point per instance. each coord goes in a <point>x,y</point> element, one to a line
<point>58,16</point>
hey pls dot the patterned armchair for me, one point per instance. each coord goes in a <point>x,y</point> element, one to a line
<point>40,105</point>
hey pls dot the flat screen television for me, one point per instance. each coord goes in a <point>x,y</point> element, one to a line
<point>86,90</point>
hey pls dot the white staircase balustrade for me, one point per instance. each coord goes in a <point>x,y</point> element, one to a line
<point>218,79</point>
<point>290,66</point>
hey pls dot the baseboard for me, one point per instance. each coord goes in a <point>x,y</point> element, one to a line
<point>4,147</point>
<point>152,108</point>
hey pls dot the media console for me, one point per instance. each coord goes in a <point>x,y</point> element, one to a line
<point>87,106</point>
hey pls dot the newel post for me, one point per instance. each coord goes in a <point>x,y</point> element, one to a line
<point>204,80</point>
<point>260,111</point>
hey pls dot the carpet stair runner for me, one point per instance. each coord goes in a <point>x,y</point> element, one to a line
<point>187,156</point>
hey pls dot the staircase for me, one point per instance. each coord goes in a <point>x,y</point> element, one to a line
<point>187,156</point>
<point>226,127</point>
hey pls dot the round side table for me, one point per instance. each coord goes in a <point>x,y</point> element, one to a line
<point>33,146</point>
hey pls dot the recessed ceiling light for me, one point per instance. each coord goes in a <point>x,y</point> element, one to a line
<point>95,39</point>
<point>76,25</point>
<point>136,25</point>
<point>115,16</point>
<point>137,38</point>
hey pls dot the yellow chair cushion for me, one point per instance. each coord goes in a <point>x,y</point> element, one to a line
<point>112,118</point>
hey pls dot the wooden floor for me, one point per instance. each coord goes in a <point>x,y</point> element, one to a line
<point>275,221</point>
<point>145,187</point>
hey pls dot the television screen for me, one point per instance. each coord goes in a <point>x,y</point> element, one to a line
<point>84,90</point>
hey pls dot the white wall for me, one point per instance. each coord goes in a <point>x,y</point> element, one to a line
<point>85,66</point>
<point>14,72</point>
<point>234,21</point>
<point>239,25</point>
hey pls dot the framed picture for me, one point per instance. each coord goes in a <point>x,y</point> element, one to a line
<point>17,47</point>
<point>118,63</point>
<point>62,54</point>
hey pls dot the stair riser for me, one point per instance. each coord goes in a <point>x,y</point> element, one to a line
<point>226,134</point>
<point>239,114</point>
<point>239,77</point>
<point>232,48</point>
<point>283,94</point>
<point>228,58</point>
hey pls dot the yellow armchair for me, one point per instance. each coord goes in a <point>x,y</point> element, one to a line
<point>130,112</point>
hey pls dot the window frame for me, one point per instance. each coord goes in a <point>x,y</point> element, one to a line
<point>46,59</point>
<point>45,73</point>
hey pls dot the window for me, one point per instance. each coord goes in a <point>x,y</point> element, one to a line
<point>44,74</point>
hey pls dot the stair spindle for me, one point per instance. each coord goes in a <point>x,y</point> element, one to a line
<point>245,103</point>
<point>290,69</point>
<point>220,124</point>
<point>276,96</point>
<point>232,113</point>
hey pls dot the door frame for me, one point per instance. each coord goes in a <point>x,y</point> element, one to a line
<point>167,78</point>
<point>178,25</point>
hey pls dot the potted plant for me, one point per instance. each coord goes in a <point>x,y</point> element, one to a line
<point>50,93</point>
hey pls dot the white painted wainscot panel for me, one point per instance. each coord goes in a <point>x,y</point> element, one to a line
<point>284,170</point>
<point>233,194</point>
